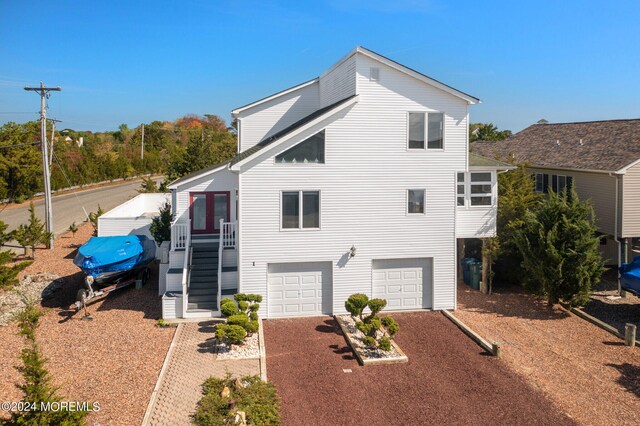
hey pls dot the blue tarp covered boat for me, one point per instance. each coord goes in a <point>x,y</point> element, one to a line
<point>630,276</point>
<point>107,258</point>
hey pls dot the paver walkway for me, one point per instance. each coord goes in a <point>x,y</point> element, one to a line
<point>191,362</point>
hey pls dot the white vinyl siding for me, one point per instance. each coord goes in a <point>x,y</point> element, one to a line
<point>266,119</point>
<point>364,184</point>
<point>631,202</point>
<point>222,180</point>
<point>473,220</point>
<point>339,82</point>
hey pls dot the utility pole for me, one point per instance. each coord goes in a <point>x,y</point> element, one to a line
<point>44,94</point>
<point>142,147</point>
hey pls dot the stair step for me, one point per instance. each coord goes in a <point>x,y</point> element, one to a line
<point>202,292</point>
<point>202,298</point>
<point>204,272</point>
<point>204,255</point>
<point>204,279</point>
<point>191,307</point>
<point>175,271</point>
<point>209,246</point>
<point>202,285</point>
<point>229,268</point>
<point>229,291</point>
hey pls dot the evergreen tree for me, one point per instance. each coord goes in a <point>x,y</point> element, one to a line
<point>161,225</point>
<point>4,235</point>
<point>37,389</point>
<point>560,251</point>
<point>517,194</point>
<point>8,273</point>
<point>33,233</point>
<point>93,218</point>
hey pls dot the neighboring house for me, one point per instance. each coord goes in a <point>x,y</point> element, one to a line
<point>358,181</point>
<point>132,217</point>
<point>600,159</point>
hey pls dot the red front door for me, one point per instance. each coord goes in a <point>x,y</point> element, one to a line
<point>206,209</point>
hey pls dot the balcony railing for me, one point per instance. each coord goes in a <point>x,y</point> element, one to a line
<point>228,234</point>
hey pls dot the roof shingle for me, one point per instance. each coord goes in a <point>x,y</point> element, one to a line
<point>594,145</point>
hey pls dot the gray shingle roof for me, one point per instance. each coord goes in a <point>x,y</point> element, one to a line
<point>476,160</point>
<point>606,145</point>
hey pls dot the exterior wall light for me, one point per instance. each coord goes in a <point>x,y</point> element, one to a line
<point>352,251</point>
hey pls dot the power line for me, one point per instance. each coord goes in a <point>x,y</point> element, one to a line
<point>44,93</point>
<point>19,144</point>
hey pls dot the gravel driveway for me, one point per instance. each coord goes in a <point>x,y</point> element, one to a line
<point>448,380</point>
<point>586,371</point>
<point>114,359</point>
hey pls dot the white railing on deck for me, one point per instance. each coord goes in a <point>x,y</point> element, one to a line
<point>186,272</point>
<point>180,234</point>
<point>228,231</point>
<point>220,250</point>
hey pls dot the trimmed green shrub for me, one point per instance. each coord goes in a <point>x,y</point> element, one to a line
<point>376,305</point>
<point>231,333</point>
<point>355,304</point>
<point>253,316</point>
<point>240,319</point>
<point>258,399</point>
<point>252,326</point>
<point>228,307</point>
<point>384,343</point>
<point>369,342</point>
<point>243,305</point>
<point>391,325</point>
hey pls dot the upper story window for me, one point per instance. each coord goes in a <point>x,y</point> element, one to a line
<point>561,182</point>
<point>541,182</point>
<point>415,201</point>
<point>300,209</point>
<point>481,189</point>
<point>311,150</point>
<point>426,130</point>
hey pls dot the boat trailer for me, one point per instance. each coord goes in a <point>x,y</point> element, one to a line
<point>86,294</point>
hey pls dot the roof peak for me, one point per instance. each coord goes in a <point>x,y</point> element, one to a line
<point>587,122</point>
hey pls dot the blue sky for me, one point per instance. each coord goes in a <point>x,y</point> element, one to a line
<point>138,61</point>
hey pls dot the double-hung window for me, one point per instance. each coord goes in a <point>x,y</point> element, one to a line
<point>481,189</point>
<point>426,130</point>
<point>415,201</point>
<point>300,209</point>
<point>539,179</point>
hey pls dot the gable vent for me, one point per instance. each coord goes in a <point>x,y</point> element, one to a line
<point>374,73</point>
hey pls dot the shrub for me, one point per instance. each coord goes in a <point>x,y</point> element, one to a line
<point>356,303</point>
<point>233,334</point>
<point>33,233</point>
<point>160,227</point>
<point>37,387</point>
<point>369,342</point>
<point>228,308</point>
<point>258,399</point>
<point>376,305</point>
<point>9,274</point>
<point>384,343</point>
<point>243,313</point>
<point>73,228</point>
<point>240,319</point>
<point>391,325</point>
<point>93,218</point>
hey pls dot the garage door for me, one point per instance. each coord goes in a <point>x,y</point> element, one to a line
<point>405,283</point>
<point>299,289</point>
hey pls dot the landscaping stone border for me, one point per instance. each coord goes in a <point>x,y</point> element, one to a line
<point>369,361</point>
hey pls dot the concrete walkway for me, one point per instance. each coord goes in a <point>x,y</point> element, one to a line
<point>190,361</point>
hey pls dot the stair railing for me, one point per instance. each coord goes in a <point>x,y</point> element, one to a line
<point>186,270</point>
<point>220,251</point>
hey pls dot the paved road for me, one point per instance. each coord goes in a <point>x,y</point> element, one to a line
<point>67,208</point>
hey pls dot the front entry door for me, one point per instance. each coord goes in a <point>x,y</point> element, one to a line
<point>207,208</point>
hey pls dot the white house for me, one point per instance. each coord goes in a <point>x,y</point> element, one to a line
<point>358,181</point>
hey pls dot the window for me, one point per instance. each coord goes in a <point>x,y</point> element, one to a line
<point>293,209</point>
<point>481,189</point>
<point>541,182</point>
<point>560,182</point>
<point>460,189</point>
<point>415,201</point>
<point>436,122</point>
<point>310,150</point>
<point>416,130</point>
<point>427,127</point>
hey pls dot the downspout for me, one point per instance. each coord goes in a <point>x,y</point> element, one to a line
<point>615,234</point>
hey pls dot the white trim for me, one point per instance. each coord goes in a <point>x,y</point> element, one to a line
<point>196,176</point>
<point>237,111</point>
<point>623,170</point>
<point>300,210</point>
<point>402,68</point>
<point>570,169</point>
<point>294,133</point>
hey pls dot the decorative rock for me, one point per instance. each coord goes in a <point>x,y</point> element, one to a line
<point>249,349</point>
<point>37,287</point>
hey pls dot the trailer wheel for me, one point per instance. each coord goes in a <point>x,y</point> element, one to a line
<point>144,275</point>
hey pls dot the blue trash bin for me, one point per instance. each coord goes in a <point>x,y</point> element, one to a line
<point>466,274</point>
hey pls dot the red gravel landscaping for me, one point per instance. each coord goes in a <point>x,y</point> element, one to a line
<point>448,379</point>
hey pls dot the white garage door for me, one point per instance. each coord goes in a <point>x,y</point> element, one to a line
<point>299,289</point>
<point>405,283</point>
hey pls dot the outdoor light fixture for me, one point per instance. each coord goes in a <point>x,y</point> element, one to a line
<point>352,251</point>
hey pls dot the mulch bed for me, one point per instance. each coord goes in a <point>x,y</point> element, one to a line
<point>618,311</point>
<point>587,372</point>
<point>114,359</point>
<point>448,379</point>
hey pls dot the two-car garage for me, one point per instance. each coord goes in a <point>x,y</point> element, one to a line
<point>306,289</point>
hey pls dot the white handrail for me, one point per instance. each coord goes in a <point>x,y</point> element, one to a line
<point>220,251</point>
<point>185,270</point>
<point>180,234</point>
<point>228,231</point>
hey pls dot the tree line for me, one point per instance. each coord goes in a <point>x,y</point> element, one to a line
<point>171,148</point>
